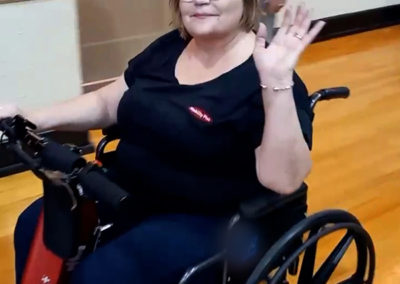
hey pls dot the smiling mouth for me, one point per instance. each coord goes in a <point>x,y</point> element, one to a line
<point>202,16</point>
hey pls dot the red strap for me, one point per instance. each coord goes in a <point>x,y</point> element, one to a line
<point>43,266</point>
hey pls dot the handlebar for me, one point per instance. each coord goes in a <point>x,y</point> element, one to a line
<point>42,155</point>
<point>57,157</point>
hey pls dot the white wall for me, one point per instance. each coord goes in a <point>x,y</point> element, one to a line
<point>39,52</point>
<point>328,8</point>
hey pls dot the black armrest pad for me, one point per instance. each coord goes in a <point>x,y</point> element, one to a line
<point>267,203</point>
<point>334,93</point>
<point>112,132</point>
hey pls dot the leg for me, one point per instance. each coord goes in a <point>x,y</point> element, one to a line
<point>158,250</point>
<point>23,235</point>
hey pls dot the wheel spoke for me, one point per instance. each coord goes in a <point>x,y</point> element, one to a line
<point>308,262</point>
<point>325,271</point>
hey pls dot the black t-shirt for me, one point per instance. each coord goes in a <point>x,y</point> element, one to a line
<point>191,147</point>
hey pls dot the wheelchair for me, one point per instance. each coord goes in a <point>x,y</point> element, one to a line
<point>72,226</point>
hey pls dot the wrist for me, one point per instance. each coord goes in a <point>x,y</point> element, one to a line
<point>277,80</point>
<point>278,88</point>
<point>276,99</point>
<point>277,84</point>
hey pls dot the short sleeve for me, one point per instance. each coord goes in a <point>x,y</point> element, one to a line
<point>135,65</point>
<point>152,55</point>
<point>304,113</point>
<point>129,73</point>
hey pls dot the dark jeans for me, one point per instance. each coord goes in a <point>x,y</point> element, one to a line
<point>157,250</point>
<point>160,248</point>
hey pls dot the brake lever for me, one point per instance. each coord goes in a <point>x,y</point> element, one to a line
<point>17,128</point>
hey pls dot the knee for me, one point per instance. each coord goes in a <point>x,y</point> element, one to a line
<point>23,235</point>
<point>27,220</point>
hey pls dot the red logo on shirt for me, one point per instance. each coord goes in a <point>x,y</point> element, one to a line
<point>200,114</point>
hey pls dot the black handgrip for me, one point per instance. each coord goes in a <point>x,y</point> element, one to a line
<point>334,93</point>
<point>329,94</point>
<point>60,158</point>
<point>100,188</point>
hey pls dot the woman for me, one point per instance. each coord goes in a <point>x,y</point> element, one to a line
<point>209,116</point>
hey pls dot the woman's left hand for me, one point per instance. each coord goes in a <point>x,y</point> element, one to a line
<point>275,63</point>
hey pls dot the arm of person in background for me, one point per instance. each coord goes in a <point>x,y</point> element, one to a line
<point>274,6</point>
<point>270,8</point>
<point>93,110</point>
<point>283,159</point>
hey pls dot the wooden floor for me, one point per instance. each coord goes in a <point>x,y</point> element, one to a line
<point>356,148</point>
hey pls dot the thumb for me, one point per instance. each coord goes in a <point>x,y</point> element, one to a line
<point>261,36</point>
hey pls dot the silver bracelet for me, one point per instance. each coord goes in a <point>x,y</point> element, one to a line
<point>278,89</point>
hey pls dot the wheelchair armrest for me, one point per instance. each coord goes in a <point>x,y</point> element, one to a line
<point>329,94</point>
<point>110,134</point>
<point>267,203</point>
<point>112,131</point>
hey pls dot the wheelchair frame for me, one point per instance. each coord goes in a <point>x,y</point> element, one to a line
<point>275,263</point>
<point>318,225</point>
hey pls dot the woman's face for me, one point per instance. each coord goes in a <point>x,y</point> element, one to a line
<point>211,18</point>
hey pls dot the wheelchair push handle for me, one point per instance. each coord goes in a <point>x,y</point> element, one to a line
<point>329,94</point>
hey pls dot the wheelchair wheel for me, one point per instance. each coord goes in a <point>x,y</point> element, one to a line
<point>281,257</point>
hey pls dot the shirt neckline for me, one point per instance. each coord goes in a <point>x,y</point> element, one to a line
<point>221,77</point>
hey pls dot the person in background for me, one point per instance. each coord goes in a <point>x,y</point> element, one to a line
<point>270,8</point>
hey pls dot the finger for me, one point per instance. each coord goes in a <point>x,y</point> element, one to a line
<point>285,23</point>
<point>305,16</point>
<point>299,15</point>
<point>305,25</point>
<point>314,32</point>
<point>287,20</point>
<point>261,37</point>
<point>300,11</point>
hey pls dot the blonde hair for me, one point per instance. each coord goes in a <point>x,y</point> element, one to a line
<point>249,20</point>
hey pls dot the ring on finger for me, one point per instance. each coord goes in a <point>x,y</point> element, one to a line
<point>299,36</point>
